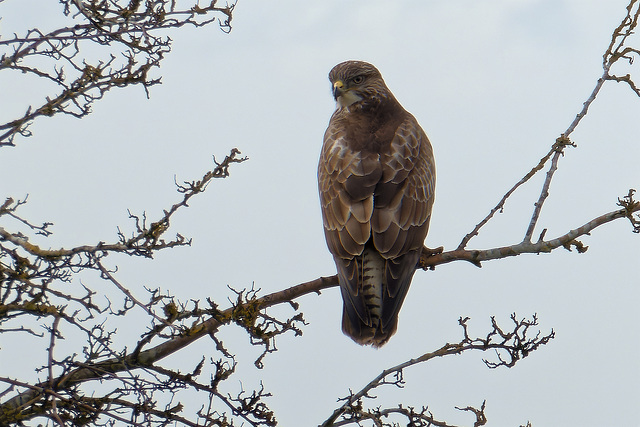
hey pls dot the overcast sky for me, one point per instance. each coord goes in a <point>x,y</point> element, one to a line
<point>492,82</point>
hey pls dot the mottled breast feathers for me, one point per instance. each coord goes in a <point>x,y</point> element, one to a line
<point>376,179</point>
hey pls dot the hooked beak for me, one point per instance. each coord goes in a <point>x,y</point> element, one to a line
<point>338,89</point>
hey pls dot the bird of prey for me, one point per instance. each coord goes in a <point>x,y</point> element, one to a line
<point>376,178</point>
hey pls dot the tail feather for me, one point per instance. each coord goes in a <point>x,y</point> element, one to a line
<point>370,311</point>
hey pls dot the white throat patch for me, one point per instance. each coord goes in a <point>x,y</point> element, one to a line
<point>348,98</point>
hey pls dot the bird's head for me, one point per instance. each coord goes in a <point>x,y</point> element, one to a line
<point>357,81</point>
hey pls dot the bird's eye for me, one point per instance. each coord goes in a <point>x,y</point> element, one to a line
<point>358,79</point>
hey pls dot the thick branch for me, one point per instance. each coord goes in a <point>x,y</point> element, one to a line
<point>152,355</point>
<point>566,240</point>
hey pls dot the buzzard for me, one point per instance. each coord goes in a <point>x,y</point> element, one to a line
<point>376,178</point>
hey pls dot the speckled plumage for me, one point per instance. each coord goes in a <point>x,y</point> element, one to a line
<point>376,178</point>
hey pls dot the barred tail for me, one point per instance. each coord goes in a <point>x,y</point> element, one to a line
<point>373,289</point>
<point>371,278</point>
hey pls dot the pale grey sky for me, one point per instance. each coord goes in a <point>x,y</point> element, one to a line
<point>492,82</point>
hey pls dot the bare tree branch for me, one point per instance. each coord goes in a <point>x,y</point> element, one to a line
<point>617,50</point>
<point>38,291</point>
<point>515,344</point>
<point>245,310</point>
<point>131,36</point>
<point>567,240</point>
<point>558,146</point>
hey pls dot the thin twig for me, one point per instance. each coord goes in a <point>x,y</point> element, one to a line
<point>50,361</point>
<point>516,344</point>
<point>106,274</point>
<point>560,143</point>
<point>500,205</point>
<point>614,52</point>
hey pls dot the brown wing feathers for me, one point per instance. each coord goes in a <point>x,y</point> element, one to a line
<point>376,179</point>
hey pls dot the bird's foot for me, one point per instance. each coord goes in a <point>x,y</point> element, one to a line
<point>427,253</point>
